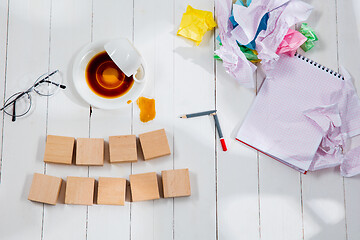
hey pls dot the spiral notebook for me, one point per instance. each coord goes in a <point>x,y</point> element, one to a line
<point>277,123</point>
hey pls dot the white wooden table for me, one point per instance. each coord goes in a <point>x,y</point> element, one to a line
<point>239,194</point>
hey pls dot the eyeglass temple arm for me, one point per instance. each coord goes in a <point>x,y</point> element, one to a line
<point>47,81</point>
<point>14,113</point>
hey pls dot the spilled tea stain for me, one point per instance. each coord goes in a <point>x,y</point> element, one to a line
<point>147,108</point>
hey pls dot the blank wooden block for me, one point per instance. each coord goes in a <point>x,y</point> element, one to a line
<point>79,190</point>
<point>45,189</point>
<point>144,187</point>
<point>59,149</point>
<point>123,149</point>
<point>111,191</point>
<point>154,144</point>
<point>176,183</point>
<point>90,151</point>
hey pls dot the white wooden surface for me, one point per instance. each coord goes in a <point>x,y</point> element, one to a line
<point>239,194</point>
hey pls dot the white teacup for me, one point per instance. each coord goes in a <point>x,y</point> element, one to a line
<point>126,57</point>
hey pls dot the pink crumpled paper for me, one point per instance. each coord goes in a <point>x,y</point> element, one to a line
<point>339,123</point>
<point>291,42</point>
<point>280,20</point>
<point>331,147</point>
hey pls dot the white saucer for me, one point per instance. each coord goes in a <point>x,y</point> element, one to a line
<point>81,86</point>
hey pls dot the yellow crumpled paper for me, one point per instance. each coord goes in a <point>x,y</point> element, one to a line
<point>195,23</point>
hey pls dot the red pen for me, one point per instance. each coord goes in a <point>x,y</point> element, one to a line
<point>222,140</point>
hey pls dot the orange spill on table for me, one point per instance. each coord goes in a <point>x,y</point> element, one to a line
<point>128,102</point>
<point>147,108</point>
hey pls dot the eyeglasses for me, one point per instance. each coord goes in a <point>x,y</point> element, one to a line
<point>20,103</point>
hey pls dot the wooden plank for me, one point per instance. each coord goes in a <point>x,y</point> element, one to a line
<point>67,114</point>
<point>194,91</point>
<point>348,50</point>
<point>281,215</point>
<point>27,59</point>
<point>3,52</point>
<point>280,200</point>
<point>111,19</point>
<point>280,208</point>
<point>318,196</point>
<point>154,37</point>
<point>238,207</point>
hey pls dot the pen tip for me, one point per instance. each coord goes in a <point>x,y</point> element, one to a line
<point>183,116</point>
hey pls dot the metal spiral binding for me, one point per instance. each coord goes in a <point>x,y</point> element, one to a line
<point>328,70</point>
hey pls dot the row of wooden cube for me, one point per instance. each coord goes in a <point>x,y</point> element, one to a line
<point>90,151</point>
<point>110,191</point>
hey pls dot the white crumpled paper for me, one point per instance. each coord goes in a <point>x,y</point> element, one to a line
<point>249,18</point>
<point>234,61</point>
<point>282,15</point>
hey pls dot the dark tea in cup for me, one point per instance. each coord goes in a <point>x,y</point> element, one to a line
<point>105,78</point>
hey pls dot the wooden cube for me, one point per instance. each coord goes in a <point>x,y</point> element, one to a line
<point>79,190</point>
<point>90,151</point>
<point>144,187</point>
<point>59,149</point>
<point>154,144</point>
<point>176,183</point>
<point>123,149</point>
<point>45,189</point>
<point>111,191</point>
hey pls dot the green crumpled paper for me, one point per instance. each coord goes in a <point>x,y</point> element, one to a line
<point>309,33</point>
<point>251,55</point>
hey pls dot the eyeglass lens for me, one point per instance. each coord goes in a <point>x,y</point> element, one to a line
<point>20,106</point>
<point>48,84</point>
